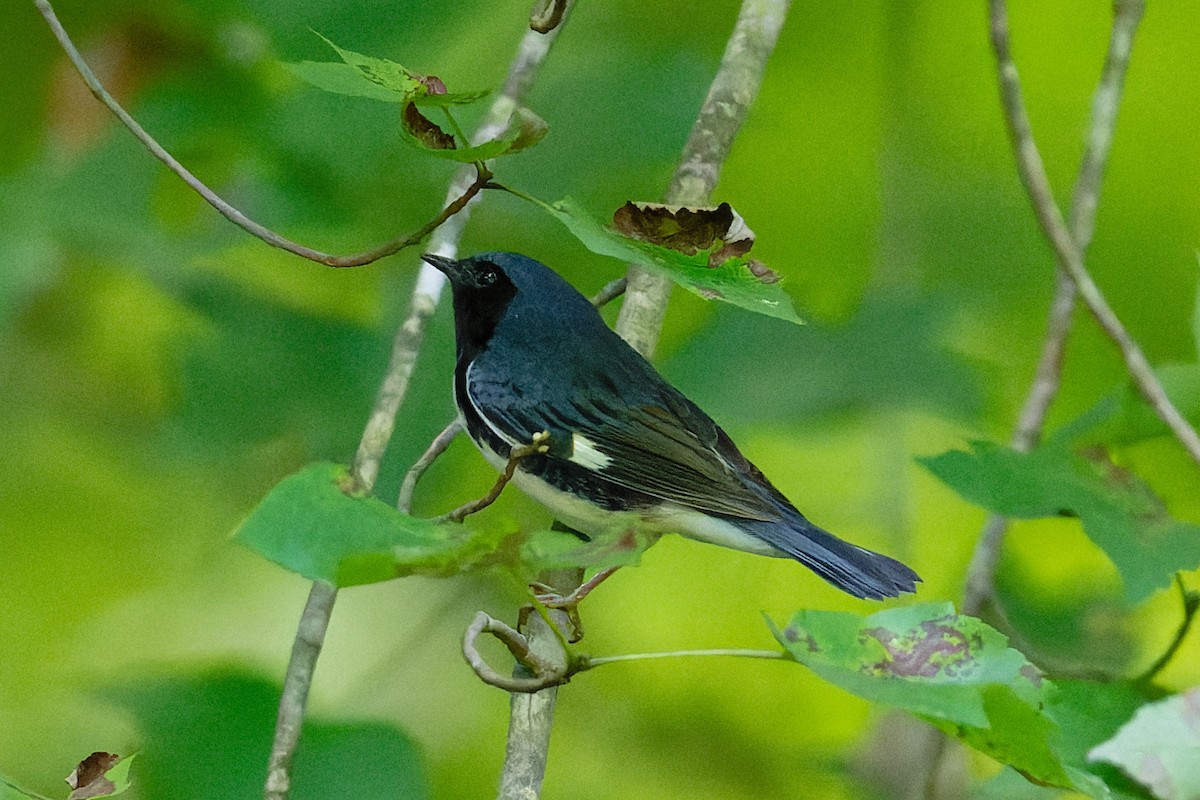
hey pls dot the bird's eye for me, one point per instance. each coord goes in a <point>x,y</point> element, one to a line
<point>488,277</point>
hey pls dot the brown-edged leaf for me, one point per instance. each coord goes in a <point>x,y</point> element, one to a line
<point>424,131</point>
<point>687,230</point>
<point>88,779</point>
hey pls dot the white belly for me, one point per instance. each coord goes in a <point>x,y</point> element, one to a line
<point>595,521</point>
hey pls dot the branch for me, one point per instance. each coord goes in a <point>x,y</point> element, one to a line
<point>226,210</point>
<point>732,92</point>
<point>774,655</point>
<point>310,638</point>
<point>1191,604</point>
<point>980,589</point>
<point>515,457</point>
<point>544,673</point>
<point>439,445</point>
<point>1067,252</point>
<point>610,291</point>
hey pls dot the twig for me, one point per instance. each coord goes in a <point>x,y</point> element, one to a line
<point>777,655</point>
<point>1033,175</point>
<point>545,673</point>
<point>438,446</point>
<point>515,457</point>
<point>453,206</point>
<point>730,96</point>
<point>980,589</point>
<point>610,291</point>
<point>310,638</point>
<point>1191,604</point>
<point>406,346</point>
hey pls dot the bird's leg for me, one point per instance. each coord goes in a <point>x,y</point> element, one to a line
<point>547,596</point>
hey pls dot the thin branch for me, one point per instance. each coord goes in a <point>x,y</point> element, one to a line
<point>439,445</point>
<point>775,655</point>
<point>545,673</point>
<point>223,207</point>
<point>980,589</point>
<point>610,291</point>
<point>1037,184</point>
<point>1191,604</point>
<point>518,454</point>
<point>310,638</point>
<point>732,92</point>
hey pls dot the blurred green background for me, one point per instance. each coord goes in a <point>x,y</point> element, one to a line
<point>160,371</point>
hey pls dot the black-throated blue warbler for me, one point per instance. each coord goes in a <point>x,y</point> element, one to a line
<point>534,356</point>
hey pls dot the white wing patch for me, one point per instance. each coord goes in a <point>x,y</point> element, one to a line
<point>585,453</point>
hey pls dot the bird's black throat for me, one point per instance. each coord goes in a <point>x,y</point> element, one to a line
<point>477,312</point>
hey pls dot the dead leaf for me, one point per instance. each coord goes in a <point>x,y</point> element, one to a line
<point>425,131</point>
<point>432,83</point>
<point>687,230</point>
<point>88,780</point>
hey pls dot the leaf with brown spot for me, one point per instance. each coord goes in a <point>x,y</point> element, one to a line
<point>950,670</point>
<point>424,132</point>
<point>99,775</point>
<point>731,281</point>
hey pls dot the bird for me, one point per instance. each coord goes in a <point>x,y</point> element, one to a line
<point>537,363</point>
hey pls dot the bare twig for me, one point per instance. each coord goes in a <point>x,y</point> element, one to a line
<point>544,673</point>
<point>610,291</point>
<point>1070,259</point>
<point>730,96</point>
<point>439,445</point>
<point>226,210</point>
<point>980,589</point>
<point>1191,604</point>
<point>310,638</point>
<point>775,655</point>
<point>517,455</point>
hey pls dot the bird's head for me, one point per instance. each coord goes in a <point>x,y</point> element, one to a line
<point>492,286</point>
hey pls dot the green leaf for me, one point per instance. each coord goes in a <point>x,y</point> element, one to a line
<point>381,72</point>
<point>621,547</point>
<point>731,282</point>
<point>10,791</point>
<point>309,525</point>
<point>1118,511</point>
<point>1160,747</point>
<point>119,774</point>
<point>342,78</point>
<point>951,670</point>
<point>207,737</point>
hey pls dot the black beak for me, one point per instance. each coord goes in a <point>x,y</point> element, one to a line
<point>447,265</point>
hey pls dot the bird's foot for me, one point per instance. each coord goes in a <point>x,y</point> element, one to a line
<point>550,597</point>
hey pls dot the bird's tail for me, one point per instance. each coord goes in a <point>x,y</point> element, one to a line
<point>851,568</point>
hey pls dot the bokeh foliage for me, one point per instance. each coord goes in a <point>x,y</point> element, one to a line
<point>160,371</point>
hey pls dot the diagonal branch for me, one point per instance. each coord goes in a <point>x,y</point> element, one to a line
<point>1067,252</point>
<point>1085,199</point>
<point>453,205</point>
